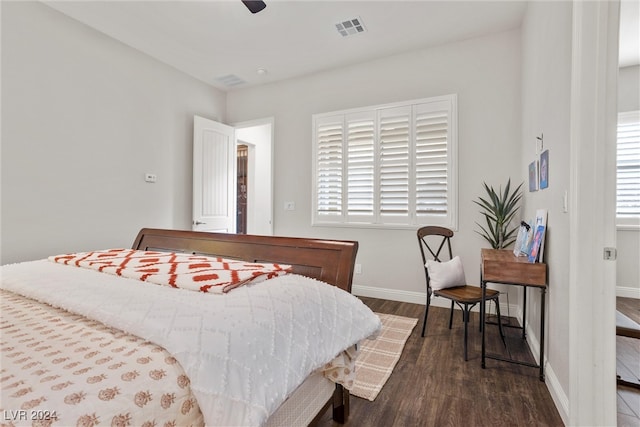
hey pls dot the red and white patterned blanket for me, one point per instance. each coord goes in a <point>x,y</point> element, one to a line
<point>186,271</point>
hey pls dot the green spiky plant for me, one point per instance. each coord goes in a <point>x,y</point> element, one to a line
<point>498,209</point>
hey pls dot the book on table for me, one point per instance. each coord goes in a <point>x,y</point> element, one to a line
<point>537,247</point>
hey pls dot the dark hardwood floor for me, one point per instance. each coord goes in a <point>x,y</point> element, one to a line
<point>432,385</point>
<point>628,364</point>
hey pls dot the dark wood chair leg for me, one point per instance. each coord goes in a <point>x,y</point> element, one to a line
<point>426,313</point>
<point>497,303</point>
<point>465,317</point>
<point>451,316</point>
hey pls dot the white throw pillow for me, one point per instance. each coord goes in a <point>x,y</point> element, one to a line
<point>446,274</point>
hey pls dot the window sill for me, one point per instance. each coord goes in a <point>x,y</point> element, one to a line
<point>378,226</point>
<point>628,227</point>
<point>631,223</point>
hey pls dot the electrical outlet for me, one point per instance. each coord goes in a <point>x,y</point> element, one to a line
<point>358,269</point>
<point>150,177</point>
<point>289,206</point>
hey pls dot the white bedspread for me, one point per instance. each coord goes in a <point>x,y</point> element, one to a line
<point>244,352</point>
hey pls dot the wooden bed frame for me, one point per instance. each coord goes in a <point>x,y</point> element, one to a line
<point>331,261</point>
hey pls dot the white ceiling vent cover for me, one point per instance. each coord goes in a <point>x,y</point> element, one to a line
<point>350,27</point>
<point>230,80</point>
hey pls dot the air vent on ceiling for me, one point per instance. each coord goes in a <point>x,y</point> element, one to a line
<point>231,80</point>
<point>350,27</point>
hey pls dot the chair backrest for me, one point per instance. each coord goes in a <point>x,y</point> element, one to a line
<point>432,240</point>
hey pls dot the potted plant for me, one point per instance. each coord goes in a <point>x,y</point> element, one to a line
<point>498,209</point>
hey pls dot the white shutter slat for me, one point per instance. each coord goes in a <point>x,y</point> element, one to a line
<point>431,161</point>
<point>360,166</point>
<point>329,168</point>
<point>394,163</point>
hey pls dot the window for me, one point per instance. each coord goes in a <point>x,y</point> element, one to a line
<point>628,170</point>
<point>387,166</point>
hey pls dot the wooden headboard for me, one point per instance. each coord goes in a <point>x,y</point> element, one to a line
<point>331,261</point>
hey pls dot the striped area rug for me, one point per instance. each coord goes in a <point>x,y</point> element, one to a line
<point>378,357</point>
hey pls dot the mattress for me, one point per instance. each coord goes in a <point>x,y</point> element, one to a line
<point>304,404</point>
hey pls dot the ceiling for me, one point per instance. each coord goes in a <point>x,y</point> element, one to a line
<point>221,43</point>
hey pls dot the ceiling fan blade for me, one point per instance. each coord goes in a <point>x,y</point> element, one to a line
<point>254,6</point>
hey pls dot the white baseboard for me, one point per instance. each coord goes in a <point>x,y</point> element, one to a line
<point>627,292</point>
<point>421,299</point>
<point>558,395</point>
<point>390,294</point>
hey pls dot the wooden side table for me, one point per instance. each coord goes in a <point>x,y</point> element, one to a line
<point>502,266</point>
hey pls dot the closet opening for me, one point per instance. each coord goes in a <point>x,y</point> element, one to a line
<point>242,183</point>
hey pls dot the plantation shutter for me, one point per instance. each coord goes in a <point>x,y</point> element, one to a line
<point>432,159</point>
<point>390,165</point>
<point>329,165</point>
<point>628,165</point>
<point>394,163</point>
<point>360,166</point>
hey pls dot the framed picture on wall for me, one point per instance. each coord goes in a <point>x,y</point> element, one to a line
<point>544,169</point>
<point>533,176</point>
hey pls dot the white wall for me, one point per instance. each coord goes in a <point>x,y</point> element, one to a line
<point>484,72</point>
<point>629,88</point>
<point>628,241</point>
<point>84,117</point>
<point>546,99</point>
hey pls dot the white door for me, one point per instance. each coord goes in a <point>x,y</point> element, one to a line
<point>214,181</point>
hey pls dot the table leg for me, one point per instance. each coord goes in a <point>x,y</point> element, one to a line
<point>542,312</point>
<point>524,312</point>
<point>483,325</point>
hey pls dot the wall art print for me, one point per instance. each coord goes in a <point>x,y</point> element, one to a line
<point>533,176</point>
<point>544,169</point>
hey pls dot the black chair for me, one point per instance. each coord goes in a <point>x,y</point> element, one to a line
<point>466,296</point>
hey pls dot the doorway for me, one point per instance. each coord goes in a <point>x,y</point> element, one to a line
<point>257,137</point>
<point>216,187</point>
<point>241,192</point>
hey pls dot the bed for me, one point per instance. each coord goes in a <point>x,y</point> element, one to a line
<point>69,330</point>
